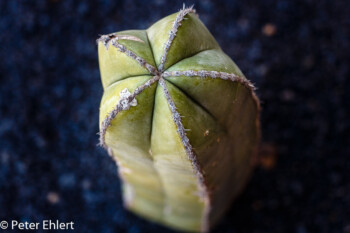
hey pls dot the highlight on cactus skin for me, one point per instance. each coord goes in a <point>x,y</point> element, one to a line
<point>179,118</point>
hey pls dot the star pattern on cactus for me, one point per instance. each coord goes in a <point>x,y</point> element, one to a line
<point>158,73</point>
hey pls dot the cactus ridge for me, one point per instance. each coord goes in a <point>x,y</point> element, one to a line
<point>158,76</point>
<point>118,108</point>
<point>113,40</point>
<point>177,23</point>
<point>203,192</point>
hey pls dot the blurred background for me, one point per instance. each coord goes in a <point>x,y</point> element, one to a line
<point>296,52</point>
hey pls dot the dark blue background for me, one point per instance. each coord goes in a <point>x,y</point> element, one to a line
<point>50,89</point>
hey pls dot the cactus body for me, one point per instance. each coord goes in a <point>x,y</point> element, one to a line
<point>180,119</point>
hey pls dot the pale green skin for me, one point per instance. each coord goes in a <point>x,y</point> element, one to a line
<point>158,179</point>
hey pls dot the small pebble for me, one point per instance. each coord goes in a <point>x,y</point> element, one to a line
<point>53,197</point>
<point>268,156</point>
<point>269,29</point>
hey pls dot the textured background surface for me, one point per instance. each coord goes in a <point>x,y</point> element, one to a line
<point>296,52</point>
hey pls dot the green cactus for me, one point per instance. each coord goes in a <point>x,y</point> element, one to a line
<point>179,118</point>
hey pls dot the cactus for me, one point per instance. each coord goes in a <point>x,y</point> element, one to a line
<point>179,118</point>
